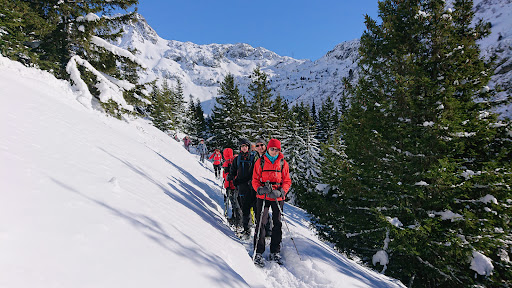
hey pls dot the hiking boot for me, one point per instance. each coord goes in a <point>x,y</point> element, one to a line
<point>275,257</point>
<point>258,260</point>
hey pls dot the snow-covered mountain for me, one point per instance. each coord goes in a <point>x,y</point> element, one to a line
<point>201,68</point>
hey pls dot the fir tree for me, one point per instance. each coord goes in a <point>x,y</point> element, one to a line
<point>428,162</point>
<point>202,127</point>
<point>280,112</point>
<point>302,153</point>
<point>328,120</point>
<point>415,144</point>
<point>178,107</point>
<point>70,40</point>
<point>195,125</point>
<point>161,111</point>
<point>261,121</point>
<point>314,115</point>
<point>21,32</point>
<point>227,114</point>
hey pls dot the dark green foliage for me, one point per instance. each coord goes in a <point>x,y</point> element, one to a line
<point>22,30</point>
<point>167,109</point>
<point>48,34</point>
<point>227,114</point>
<point>302,152</point>
<point>419,142</point>
<point>195,124</point>
<point>328,120</point>
<point>261,121</point>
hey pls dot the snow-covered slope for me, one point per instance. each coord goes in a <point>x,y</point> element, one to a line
<point>201,68</point>
<point>499,44</point>
<point>87,200</point>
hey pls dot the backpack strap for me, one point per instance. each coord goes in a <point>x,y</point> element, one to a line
<point>262,163</point>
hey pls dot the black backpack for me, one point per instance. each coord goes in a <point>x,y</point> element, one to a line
<point>250,161</point>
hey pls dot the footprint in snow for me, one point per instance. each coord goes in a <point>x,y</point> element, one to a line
<point>115,184</point>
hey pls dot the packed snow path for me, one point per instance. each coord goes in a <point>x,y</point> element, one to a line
<point>91,201</point>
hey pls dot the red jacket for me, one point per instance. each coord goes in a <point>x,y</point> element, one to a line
<point>228,160</point>
<point>217,158</point>
<point>272,174</point>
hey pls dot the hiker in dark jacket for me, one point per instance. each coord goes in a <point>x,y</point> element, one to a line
<point>241,174</point>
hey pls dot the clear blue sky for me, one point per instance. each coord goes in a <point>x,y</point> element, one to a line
<point>297,28</point>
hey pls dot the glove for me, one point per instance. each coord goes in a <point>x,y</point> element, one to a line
<point>262,190</point>
<point>276,193</point>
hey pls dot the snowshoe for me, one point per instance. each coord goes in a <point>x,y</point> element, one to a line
<point>275,257</point>
<point>245,234</point>
<point>258,260</point>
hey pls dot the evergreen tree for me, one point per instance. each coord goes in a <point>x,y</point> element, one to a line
<point>261,121</point>
<point>328,120</point>
<point>314,114</point>
<point>195,124</point>
<point>70,40</point>
<point>190,120</point>
<point>178,107</point>
<point>161,112</point>
<point>302,153</point>
<point>280,112</point>
<point>201,127</point>
<point>21,31</point>
<point>227,114</point>
<point>429,173</point>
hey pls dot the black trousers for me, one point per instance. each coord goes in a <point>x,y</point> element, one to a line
<point>236,205</point>
<point>277,232</point>
<point>217,170</point>
<point>248,202</point>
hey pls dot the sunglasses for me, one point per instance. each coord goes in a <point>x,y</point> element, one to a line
<point>244,145</point>
<point>260,145</point>
<point>273,149</point>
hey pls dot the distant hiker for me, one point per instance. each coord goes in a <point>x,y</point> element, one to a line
<point>217,158</point>
<point>271,180</point>
<point>201,148</point>
<point>241,174</point>
<point>187,142</point>
<point>231,192</point>
<point>260,145</point>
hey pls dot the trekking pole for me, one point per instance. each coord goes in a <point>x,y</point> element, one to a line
<point>259,228</point>
<point>282,216</point>
<point>225,199</point>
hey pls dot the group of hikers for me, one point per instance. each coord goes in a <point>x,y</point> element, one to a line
<point>201,147</point>
<point>256,179</point>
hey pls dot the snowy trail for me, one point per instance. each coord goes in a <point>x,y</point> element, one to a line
<point>317,262</point>
<point>91,201</point>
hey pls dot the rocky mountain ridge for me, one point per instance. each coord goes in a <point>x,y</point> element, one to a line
<point>201,68</point>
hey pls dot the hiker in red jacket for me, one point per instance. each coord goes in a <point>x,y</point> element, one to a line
<point>217,158</point>
<point>271,180</point>
<point>231,193</point>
